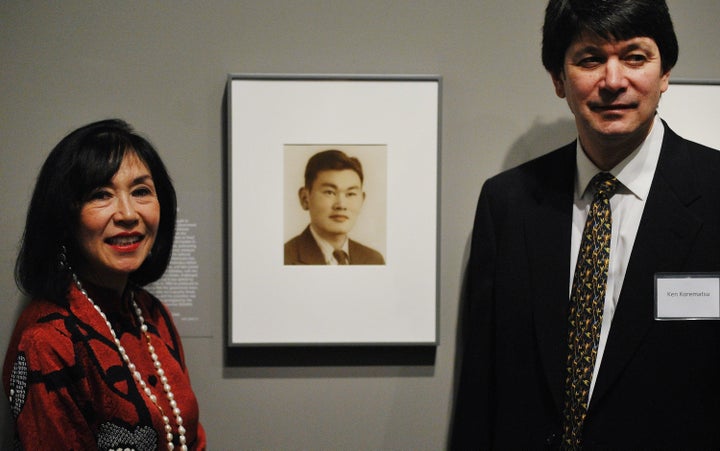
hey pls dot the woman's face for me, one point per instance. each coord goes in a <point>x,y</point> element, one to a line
<point>118,225</point>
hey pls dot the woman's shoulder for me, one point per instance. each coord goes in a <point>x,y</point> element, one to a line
<point>42,317</point>
<point>43,334</point>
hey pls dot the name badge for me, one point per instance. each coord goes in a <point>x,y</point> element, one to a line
<point>687,296</point>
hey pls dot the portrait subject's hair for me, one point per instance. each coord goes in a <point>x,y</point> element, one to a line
<point>330,160</point>
<point>565,20</point>
<point>82,161</point>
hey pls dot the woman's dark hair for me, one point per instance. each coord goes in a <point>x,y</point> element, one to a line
<point>330,160</point>
<point>609,19</point>
<point>84,160</point>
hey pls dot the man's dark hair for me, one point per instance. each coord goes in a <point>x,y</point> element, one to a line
<point>620,20</point>
<point>330,160</point>
<point>84,160</point>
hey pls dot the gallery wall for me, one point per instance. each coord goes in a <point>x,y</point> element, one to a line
<point>163,65</point>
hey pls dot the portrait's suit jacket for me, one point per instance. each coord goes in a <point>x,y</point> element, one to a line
<point>303,250</point>
<point>659,381</point>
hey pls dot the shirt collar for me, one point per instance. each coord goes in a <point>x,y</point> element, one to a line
<point>327,248</point>
<point>635,172</point>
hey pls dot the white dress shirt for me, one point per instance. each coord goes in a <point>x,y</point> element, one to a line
<point>635,174</point>
<point>327,248</point>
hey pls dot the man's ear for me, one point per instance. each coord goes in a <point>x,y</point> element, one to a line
<point>558,80</point>
<point>665,80</point>
<point>303,196</point>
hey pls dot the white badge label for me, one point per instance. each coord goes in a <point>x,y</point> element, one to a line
<point>687,296</point>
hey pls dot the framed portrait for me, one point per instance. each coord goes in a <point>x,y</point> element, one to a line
<point>332,228</point>
<point>690,108</point>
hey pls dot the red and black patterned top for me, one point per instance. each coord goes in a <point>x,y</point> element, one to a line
<point>70,389</point>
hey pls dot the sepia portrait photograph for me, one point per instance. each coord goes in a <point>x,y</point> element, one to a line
<point>335,204</point>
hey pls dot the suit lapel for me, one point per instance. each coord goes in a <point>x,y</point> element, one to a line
<point>547,223</point>
<point>663,241</point>
<point>309,252</point>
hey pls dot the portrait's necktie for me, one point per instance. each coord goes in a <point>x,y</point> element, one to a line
<point>341,257</point>
<point>587,299</point>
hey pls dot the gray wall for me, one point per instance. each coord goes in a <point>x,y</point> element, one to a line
<point>162,65</point>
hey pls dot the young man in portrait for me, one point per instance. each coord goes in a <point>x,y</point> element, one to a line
<point>333,195</point>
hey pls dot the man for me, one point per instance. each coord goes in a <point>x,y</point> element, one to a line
<point>562,350</point>
<point>333,195</point>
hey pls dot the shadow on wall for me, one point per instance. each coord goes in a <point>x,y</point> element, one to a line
<point>540,139</point>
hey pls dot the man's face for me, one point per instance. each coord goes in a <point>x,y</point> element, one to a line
<point>334,201</point>
<point>612,87</point>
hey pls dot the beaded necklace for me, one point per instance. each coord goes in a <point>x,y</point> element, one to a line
<point>136,374</point>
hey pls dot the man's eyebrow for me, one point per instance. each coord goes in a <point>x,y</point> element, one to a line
<point>637,46</point>
<point>588,49</point>
<point>334,186</point>
<point>591,49</point>
<point>594,48</point>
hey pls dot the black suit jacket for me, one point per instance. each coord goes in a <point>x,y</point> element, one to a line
<point>659,382</point>
<point>303,250</point>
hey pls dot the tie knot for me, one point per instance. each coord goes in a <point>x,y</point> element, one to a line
<point>604,184</point>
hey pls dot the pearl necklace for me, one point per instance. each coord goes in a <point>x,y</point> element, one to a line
<point>136,374</point>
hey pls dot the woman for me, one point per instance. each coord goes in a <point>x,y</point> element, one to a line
<point>95,361</point>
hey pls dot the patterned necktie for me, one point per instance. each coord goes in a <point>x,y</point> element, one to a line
<point>586,307</point>
<point>341,257</point>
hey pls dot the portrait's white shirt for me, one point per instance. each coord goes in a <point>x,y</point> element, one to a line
<point>635,174</point>
<point>327,249</point>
